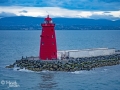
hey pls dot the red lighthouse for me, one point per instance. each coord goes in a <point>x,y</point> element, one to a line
<point>48,48</point>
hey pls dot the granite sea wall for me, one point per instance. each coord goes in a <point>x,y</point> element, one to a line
<point>70,64</point>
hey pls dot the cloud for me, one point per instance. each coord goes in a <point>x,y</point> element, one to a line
<point>102,5</point>
<point>110,17</point>
<point>6,14</point>
<point>58,12</point>
<point>23,11</point>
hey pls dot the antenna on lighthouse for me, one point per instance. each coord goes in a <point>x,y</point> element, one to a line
<point>47,13</point>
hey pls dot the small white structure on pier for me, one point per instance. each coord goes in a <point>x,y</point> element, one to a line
<point>85,53</point>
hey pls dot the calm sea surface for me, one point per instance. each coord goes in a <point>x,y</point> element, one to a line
<point>15,44</point>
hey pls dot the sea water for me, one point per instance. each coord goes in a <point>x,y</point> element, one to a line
<point>15,44</point>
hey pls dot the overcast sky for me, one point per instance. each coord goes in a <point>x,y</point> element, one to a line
<point>105,9</point>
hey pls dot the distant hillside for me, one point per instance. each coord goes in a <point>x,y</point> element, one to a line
<point>33,23</point>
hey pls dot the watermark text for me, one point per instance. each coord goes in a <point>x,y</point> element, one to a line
<point>10,83</point>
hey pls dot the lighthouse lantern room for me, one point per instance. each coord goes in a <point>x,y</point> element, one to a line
<point>48,47</point>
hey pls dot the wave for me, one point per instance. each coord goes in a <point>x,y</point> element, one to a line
<point>84,72</point>
<point>78,72</point>
<point>26,70</point>
<point>105,69</point>
<point>22,70</point>
<point>90,72</point>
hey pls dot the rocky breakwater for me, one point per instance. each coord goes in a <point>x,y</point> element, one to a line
<point>70,64</point>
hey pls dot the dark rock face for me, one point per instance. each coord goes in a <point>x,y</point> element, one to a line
<point>68,64</point>
<point>10,66</point>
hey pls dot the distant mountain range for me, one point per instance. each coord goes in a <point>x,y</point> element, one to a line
<point>33,23</point>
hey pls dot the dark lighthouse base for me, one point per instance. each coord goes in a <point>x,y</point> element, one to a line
<point>68,64</point>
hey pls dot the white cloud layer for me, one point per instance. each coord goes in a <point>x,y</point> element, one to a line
<point>57,12</point>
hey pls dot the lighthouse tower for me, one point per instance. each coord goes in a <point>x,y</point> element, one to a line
<point>48,48</point>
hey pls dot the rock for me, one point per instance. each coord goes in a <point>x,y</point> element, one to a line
<point>67,65</point>
<point>10,66</point>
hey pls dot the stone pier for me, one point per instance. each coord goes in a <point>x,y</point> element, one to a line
<point>70,64</point>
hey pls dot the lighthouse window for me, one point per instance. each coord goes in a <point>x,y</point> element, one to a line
<point>52,36</point>
<point>51,21</point>
<point>54,53</point>
<point>52,43</point>
<point>42,43</point>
